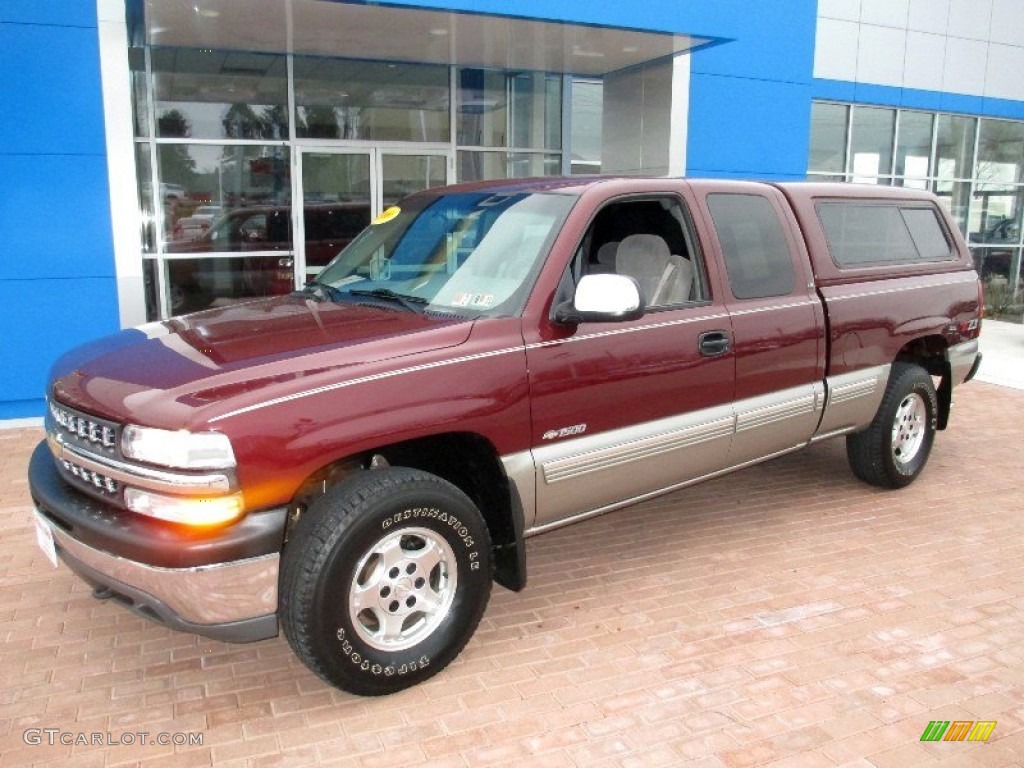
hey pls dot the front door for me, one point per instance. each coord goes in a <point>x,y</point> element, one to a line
<point>342,190</point>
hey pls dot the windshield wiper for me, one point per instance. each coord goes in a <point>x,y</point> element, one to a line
<point>412,303</point>
<point>319,290</point>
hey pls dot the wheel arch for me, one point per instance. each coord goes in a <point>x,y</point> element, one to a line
<point>467,460</point>
<point>929,352</point>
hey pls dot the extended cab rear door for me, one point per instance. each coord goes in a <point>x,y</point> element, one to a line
<point>625,409</point>
<point>777,318</point>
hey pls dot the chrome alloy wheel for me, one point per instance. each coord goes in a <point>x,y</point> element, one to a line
<point>403,588</point>
<point>909,428</point>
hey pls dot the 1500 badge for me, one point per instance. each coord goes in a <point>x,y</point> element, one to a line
<point>575,429</point>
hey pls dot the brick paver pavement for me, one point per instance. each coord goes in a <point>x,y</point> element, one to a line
<point>787,615</point>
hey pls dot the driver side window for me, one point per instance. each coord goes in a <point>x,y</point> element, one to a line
<point>650,241</point>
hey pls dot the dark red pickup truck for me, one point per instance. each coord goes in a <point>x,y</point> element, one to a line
<point>359,460</point>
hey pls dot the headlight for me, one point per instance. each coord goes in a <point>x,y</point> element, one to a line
<point>195,511</point>
<point>184,450</point>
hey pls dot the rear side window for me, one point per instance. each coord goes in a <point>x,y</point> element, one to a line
<point>863,234</point>
<point>756,254</point>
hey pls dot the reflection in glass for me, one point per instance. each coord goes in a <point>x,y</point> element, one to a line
<point>204,94</point>
<point>481,166</point>
<point>995,227</point>
<point>200,183</point>
<point>140,103</point>
<point>369,100</point>
<point>144,174</point>
<point>196,284</point>
<point>336,203</point>
<point>150,288</point>
<point>828,137</point>
<point>524,164</point>
<point>509,109</point>
<point>871,141</point>
<point>406,174</point>
<point>956,196</point>
<point>587,110</point>
<point>1001,152</point>
<point>914,145</point>
<point>482,108</point>
<point>536,110</point>
<point>954,147</point>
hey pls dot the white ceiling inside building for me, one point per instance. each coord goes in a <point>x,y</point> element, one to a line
<point>355,30</point>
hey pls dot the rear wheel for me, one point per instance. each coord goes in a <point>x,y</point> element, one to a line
<point>384,580</point>
<point>893,451</point>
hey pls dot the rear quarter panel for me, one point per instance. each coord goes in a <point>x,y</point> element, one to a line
<point>873,312</point>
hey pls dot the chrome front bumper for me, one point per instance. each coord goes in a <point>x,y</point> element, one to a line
<point>232,601</point>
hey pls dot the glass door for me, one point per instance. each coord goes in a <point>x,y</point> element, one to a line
<point>341,190</point>
<point>336,192</point>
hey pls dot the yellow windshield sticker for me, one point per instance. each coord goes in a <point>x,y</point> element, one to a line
<point>387,215</point>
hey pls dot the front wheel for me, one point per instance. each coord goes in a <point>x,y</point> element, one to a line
<point>892,452</point>
<point>384,580</point>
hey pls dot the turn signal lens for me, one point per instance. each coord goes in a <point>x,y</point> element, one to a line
<point>195,511</point>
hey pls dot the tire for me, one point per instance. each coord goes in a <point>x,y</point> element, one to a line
<point>893,451</point>
<point>361,565</point>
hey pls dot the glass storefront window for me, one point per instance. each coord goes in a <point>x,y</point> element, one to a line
<point>871,142</point>
<point>140,102</point>
<point>200,184</point>
<point>371,101</point>
<point>203,94</point>
<point>524,164</point>
<point>481,166</point>
<point>587,111</point>
<point>143,168</point>
<point>954,147</point>
<point>995,228</point>
<point>509,109</point>
<point>828,137</point>
<point>536,110</point>
<point>914,145</point>
<point>196,284</point>
<point>482,108</point>
<point>1000,152</point>
<point>405,174</point>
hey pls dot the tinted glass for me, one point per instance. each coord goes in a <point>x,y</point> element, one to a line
<point>204,94</point>
<point>914,144</point>
<point>871,143</point>
<point>954,147</point>
<point>757,256</point>
<point>470,253</point>
<point>370,100</point>
<point>587,107</point>
<point>861,234</point>
<point>828,137</point>
<point>200,184</point>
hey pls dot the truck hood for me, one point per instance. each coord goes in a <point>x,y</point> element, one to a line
<point>165,374</point>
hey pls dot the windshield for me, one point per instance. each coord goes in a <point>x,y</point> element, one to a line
<point>468,253</point>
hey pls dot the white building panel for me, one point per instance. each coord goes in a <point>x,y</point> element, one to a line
<point>885,13</point>
<point>925,60</point>
<point>1005,77</point>
<point>970,18</point>
<point>928,16</point>
<point>844,10</point>
<point>1008,22</point>
<point>880,55</point>
<point>965,67</point>
<point>835,50</point>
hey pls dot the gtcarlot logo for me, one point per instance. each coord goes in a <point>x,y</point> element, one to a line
<point>958,730</point>
<point>51,736</point>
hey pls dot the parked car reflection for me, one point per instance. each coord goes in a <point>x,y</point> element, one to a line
<point>195,283</point>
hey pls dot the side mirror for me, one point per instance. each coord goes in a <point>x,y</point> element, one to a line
<point>602,299</point>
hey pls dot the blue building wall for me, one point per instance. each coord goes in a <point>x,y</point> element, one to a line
<point>57,284</point>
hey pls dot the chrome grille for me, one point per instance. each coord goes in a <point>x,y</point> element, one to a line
<point>94,479</point>
<point>87,429</point>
